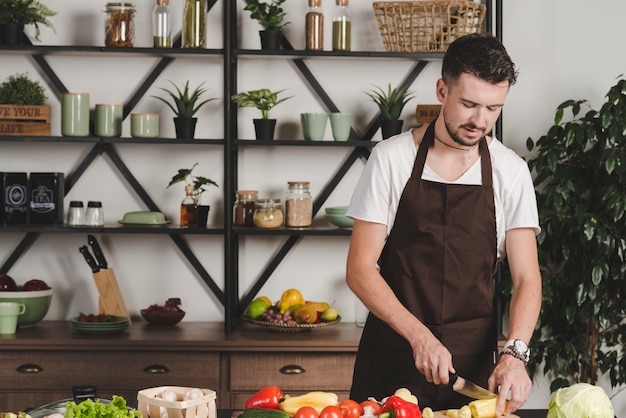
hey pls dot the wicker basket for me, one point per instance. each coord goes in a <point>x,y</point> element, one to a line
<point>426,26</point>
<point>150,403</point>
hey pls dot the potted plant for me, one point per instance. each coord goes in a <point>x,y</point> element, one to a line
<point>193,213</point>
<point>390,104</point>
<point>185,107</point>
<point>15,14</point>
<point>23,105</point>
<point>580,174</point>
<point>264,100</point>
<point>271,16</point>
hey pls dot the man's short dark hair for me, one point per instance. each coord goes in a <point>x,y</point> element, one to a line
<point>479,54</point>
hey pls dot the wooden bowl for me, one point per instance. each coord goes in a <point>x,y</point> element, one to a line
<point>162,318</point>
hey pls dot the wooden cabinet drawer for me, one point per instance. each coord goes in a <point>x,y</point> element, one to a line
<point>119,371</point>
<point>291,371</point>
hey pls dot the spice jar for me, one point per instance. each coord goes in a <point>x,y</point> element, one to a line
<point>76,213</point>
<point>314,26</point>
<point>94,216</point>
<point>268,213</point>
<point>342,26</point>
<point>243,211</point>
<point>119,29</point>
<point>298,204</point>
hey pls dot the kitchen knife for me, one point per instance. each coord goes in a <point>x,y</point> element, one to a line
<point>97,252</point>
<point>89,258</point>
<point>467,388</point>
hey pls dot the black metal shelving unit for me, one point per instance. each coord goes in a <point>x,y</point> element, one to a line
<point>229,56</point>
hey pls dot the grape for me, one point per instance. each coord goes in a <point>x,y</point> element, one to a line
<point>273,315</point>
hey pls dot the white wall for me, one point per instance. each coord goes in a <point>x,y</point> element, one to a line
<point>564,49</point>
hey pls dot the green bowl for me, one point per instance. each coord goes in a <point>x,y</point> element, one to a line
<point>341,221</point>
<point>143,218</point>
<point>336,210</point>
<point>37,303</point>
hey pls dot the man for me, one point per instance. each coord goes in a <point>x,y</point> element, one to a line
<point>435,209</point>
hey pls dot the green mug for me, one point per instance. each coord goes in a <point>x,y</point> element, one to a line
<point>75,114</point>
<point>9,311</point>
<point>109,120</point>
<point>144,125</point>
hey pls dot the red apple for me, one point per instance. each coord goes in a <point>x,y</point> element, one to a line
<point>7,283</point>
<point>35,284</point>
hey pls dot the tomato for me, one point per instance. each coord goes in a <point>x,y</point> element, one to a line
<point>331,411</point>
<point>306,412</point>
<point>350,408</point>
<point>375,406</point>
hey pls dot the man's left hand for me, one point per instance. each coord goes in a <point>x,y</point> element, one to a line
<point>510,376</point>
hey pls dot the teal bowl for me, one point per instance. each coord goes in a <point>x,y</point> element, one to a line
<point>37,303</point>
<point>336,210</point>
<point>341,221</point>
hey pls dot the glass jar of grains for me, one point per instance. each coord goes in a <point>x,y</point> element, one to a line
<point>268,213</point>
<point>119,29</point>
<point>298,204</point>
<point>243,211</point>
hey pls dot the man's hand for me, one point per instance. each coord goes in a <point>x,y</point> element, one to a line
<point>510,376</point>
<point>432,359</point>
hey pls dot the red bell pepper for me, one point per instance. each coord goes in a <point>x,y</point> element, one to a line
<point>267,398</point>
<point>397,407</point>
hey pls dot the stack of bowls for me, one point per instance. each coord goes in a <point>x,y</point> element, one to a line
<point>337,216</point>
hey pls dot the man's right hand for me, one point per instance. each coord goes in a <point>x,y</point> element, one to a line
<point>432,359</point>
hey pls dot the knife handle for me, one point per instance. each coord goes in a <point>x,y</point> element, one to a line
<point>97,252</point>
<point>453,378</point>
<point>89,259</point>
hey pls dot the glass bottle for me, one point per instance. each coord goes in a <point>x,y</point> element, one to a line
<point>314,24</point>
<point>119,29</point>
<point>188,208</point>
<point>298,204</point>
<point>243,210</point>
<point>268,213</point>
<point>194,24</point>
<point>76,213</point>
<point>342,22</point>
<point>94,216</point>
<point>162,25</point>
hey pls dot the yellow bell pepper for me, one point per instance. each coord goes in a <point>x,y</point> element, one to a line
<point>318,400</point>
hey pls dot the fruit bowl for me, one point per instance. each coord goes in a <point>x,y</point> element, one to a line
<point>37,303</point>
<point>162,318</point>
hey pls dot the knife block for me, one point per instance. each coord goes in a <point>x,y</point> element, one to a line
<point>110,301</point>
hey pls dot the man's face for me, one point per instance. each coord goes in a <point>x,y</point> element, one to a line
<point>470,107</point>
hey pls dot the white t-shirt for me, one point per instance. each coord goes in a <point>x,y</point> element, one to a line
<point>377,194</point>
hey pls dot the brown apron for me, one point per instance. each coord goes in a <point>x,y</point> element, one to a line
<point>439,260</point>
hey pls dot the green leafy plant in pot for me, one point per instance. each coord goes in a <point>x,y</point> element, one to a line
<point>390,103</point>
<point>186,105</point>
<point>580,174</point>
<point>15,14</point>
<point>193,213</point>
<point>272,17</point>
<point>19,89</point>
<point>264,100</point>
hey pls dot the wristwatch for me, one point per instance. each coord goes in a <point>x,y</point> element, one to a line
<point>518,349</point>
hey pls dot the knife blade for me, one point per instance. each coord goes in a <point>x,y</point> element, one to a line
<point>89,258</point>
<point>97,252</point>
<point>467,388</point>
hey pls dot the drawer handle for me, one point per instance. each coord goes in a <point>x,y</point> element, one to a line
<point>292,369</point>
<point>29,368</point>
<point>156,368</point>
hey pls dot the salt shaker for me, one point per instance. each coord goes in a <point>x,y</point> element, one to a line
<point>94,215</point>
<point>76,213</point>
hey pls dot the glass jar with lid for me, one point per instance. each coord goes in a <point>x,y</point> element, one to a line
<point>243,210</point>
<point>268,213</point>
<point>298,204</point>
<point>119,29</point>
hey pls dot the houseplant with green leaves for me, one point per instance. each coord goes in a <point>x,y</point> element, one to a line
<point>271,17</point>
<point>264,100</point>
<point>580,174</point>
<point>15,14</point>
<point>390,104</point>
<point>185,104</point>
<point>19,89</point>
<point>192,212</point>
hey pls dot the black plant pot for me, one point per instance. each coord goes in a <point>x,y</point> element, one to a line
<point>270,39</point>
<point>11,34</point>
<point>264,129</point>
<point>185,127</point>
<point>390,127</point>
<point>202,216</point>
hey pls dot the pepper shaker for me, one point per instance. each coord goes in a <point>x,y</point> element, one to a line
<point>94,215</point>
<point>76,213</point>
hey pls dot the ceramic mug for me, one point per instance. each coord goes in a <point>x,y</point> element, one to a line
<point>340,124</point>
<point>9,311</point>
<point>109,120</point>
<point>75,114</point>
<point>314,125</point>
<point>144,125</point>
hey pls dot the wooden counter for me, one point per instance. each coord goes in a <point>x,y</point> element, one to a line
<point>42,364</point>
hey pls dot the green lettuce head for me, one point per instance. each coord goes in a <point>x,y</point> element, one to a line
<point>581,400</point>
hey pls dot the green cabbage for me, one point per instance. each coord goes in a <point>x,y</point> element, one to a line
<point>581,400</point>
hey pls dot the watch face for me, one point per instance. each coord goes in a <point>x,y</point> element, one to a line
<point>520,346</point>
